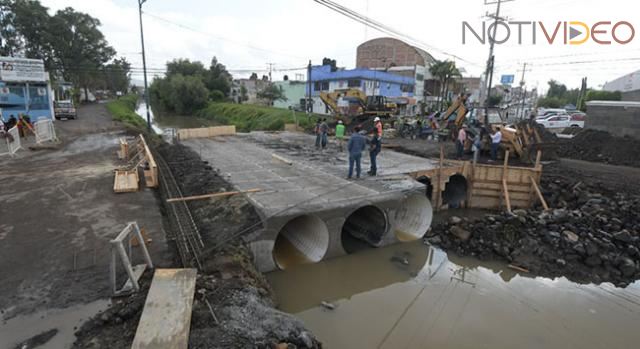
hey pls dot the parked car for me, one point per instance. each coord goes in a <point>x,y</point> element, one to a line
<point>577,119</point>
<point>64,109</point>
<point>559,120</point>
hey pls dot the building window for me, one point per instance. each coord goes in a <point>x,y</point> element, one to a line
<point>406,88</point>
<point>321,86</point>
<point>354,83</point>
<point>420,77</point>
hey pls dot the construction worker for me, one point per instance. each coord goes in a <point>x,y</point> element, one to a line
<point>340,134</point>
<point>462,137</point>
<point>374,150</point>
<point>318,134</point>
<point>356,145</point>
<point>378,125</point>
<point>496,138</point>
<point>324,131</point>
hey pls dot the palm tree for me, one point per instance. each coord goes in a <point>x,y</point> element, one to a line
<point>446,72</point>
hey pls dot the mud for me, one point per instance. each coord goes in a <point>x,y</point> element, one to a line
<point>242,313</point>
<point>601,146</point>
<point>591,235</point>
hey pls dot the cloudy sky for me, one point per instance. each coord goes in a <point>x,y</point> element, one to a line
<point>247,34</point>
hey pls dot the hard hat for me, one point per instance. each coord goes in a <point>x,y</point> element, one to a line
<point>376,119</point>
<point>339,121</point>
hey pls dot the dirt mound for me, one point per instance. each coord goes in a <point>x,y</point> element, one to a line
<point>592,235</point>
<point>549,140</point>
<point>601,146</point>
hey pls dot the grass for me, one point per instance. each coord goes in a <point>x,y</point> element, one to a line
<point>248,117</point>
<point>123,110</point>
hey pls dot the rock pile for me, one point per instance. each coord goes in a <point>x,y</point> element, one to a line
<point>601,146</point>
<point>590,236</point>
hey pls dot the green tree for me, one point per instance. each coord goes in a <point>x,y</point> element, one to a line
<point>188,94</point>
<point>25,30</point>
<point>556,89</point>
<point>80,49</point>
<point>551,102</point>
<point>272,93</point>
<point>593,95</point>
<point>218,78</point>
<point>494,101</point>
<point>185,67</point>
<point>117,75</point>
<point>244,94</point>
<point>445,72</point>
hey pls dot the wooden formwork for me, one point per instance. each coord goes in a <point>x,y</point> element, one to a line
<point>124,177</point>
<point>488,186</point>
<point>206,132</point>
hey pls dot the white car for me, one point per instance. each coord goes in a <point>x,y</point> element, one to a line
<point>555,120</point>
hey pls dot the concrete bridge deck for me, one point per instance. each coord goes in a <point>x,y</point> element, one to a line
<point>310,211</point>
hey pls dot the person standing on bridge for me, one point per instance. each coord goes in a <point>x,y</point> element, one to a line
<point>340,134</point>
<point>378,126</point>
<point>462,137</point>
<point>356,145</point>
<point>374,150</point>
<point>324,131</point>
<point>496,138</point>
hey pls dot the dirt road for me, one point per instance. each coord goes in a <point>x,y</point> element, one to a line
<point>58,212</point>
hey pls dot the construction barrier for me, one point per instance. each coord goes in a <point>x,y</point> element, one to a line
<point>206,132</point>
<point>44,131</point>
<point>10,146</point>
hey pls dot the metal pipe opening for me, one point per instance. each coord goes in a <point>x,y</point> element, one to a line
<point>304,239</point>
<point>413,218</point>
<point>364,228</point>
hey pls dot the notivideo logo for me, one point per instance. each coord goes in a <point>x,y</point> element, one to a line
<point>564,33</point>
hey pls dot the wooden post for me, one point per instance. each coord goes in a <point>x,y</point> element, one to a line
<point>537,189</point>
<point>505,189</point>
<point>439,188</point>
<point>538,158</point>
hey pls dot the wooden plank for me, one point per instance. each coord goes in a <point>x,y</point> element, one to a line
<point>282,159</point>
<point>498,193</point>
<point>213,195</point>
<point>542,200</point>
<point>125,181</point>
<point>506,195</point>
<point>166,317</point>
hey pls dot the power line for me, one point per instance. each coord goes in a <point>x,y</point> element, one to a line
<point>256,48</point>
<point>374,24</point>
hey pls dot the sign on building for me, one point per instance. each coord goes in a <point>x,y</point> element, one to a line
<point>21,70</point>
<point>507,79</point>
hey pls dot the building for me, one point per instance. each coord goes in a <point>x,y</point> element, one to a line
<point>397,57</point>
<point>396,87</point>
<point>252,86</point>
<point>294,90</point>
<point>628,84</point>
<point>620,118</point>
<point>24,88</point>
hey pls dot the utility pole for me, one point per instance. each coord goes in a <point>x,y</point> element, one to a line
<point>307,104</point>
<point>524,95</point>
<point>270,69</point>
<point>144,66</point>
<point>491,59</point>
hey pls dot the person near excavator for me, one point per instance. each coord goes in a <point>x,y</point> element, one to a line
<point>496,138</point>
<point>374,150</point>
<point>378,126</point>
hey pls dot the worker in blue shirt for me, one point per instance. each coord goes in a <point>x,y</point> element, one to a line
<point>356,145</point>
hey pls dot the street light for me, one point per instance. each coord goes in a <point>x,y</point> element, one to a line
<point>144,66</point>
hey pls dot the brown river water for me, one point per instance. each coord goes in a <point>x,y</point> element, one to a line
<point>440,301</point>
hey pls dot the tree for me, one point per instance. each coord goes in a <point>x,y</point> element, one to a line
<point>593,95</point>
<point>218,78</point>
<point>80,50</point>
<point>185,67</point>
<point>272,93</point>
<point>188,94</point>
<point>446,72</point>
<point>25,30</point>
<point>117,75</point>
<point>556,89</point>
<point>244,96</point>
<point>551,102</point>
<point>253,76</point>
<point>494,101</point>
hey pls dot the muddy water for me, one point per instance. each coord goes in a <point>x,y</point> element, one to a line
<point>21,328</point>
<point>165,122</point>
<point>438,301</point>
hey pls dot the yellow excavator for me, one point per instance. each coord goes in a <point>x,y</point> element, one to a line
<point>358,104</point>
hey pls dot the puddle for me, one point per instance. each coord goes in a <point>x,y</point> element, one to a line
<point>21,328</point>
<point>438,301</point>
